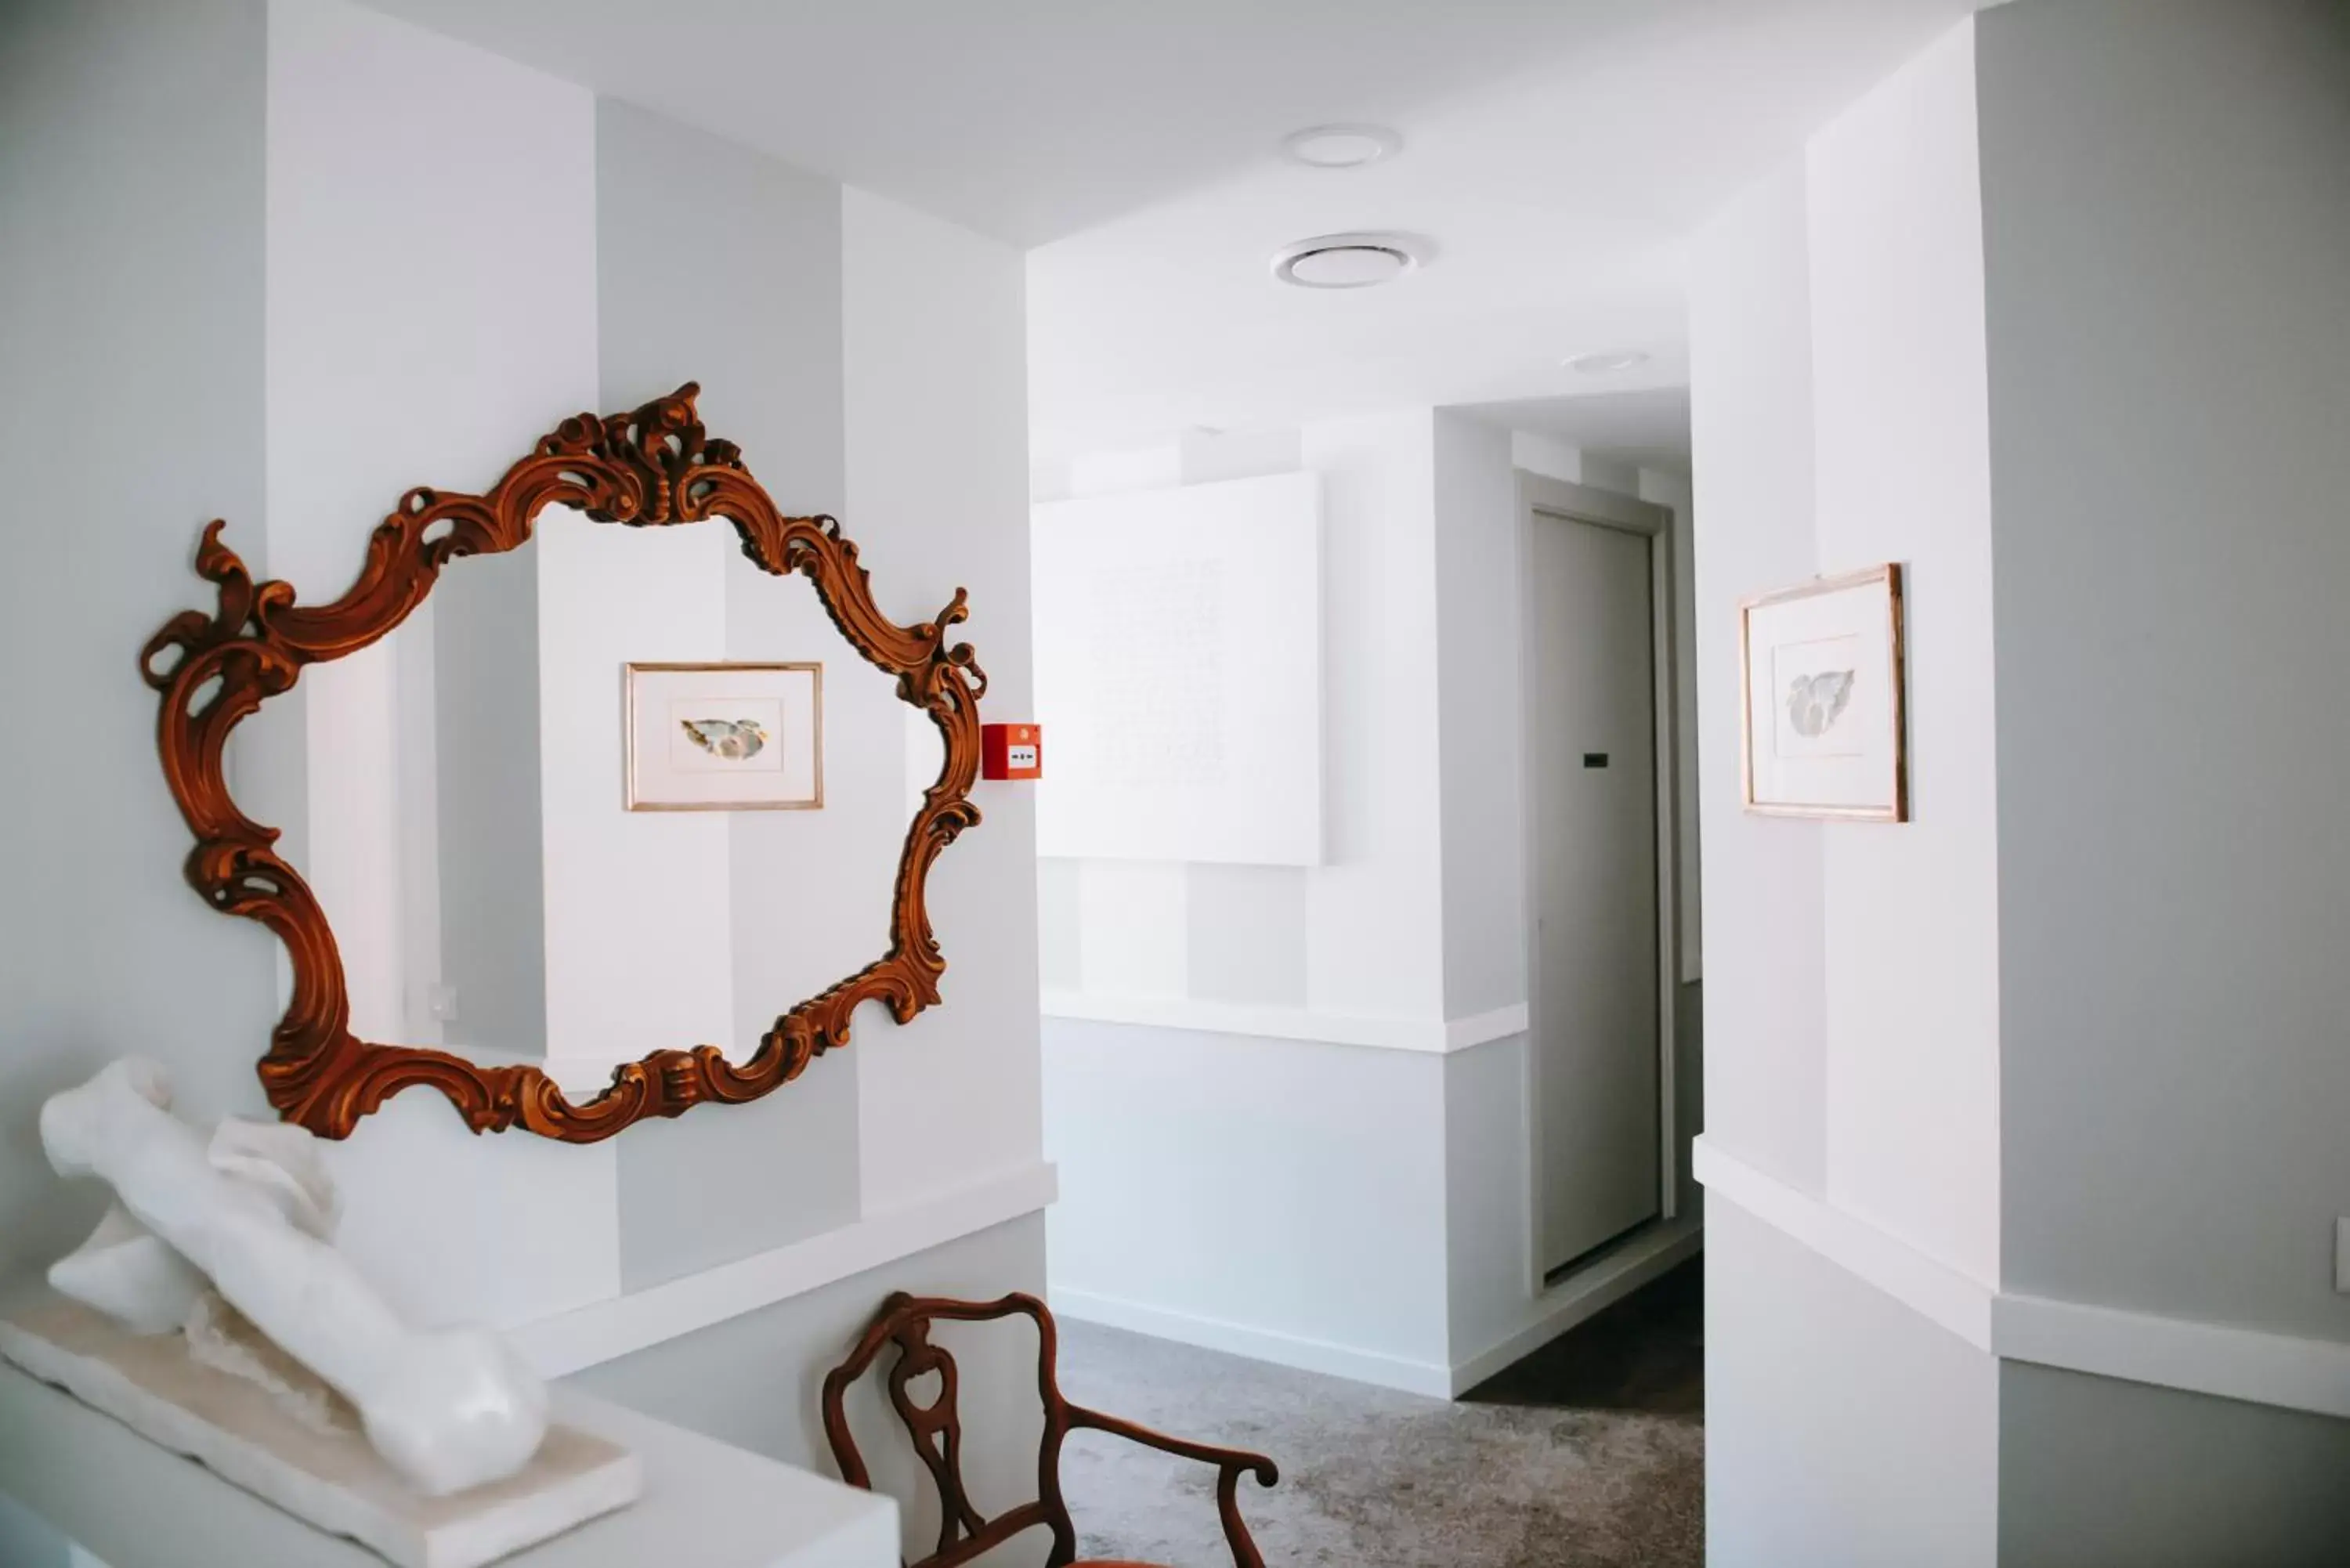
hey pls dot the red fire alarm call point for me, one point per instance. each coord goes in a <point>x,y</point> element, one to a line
<point>1011,751</point>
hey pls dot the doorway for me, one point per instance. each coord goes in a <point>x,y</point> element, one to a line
<point>1597,607</point>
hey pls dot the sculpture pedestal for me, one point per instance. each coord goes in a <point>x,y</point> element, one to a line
<point>331,1479</point>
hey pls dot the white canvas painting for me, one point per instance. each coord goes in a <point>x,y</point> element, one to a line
<point>1825,705</point>
<point>1179,673</point>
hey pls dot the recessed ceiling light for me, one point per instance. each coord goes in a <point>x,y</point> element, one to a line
<point>1341,146</point>
<point>1349,261</point>
<point>1607,364</point>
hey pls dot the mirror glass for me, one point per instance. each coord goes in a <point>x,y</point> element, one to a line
<point>615,792</point>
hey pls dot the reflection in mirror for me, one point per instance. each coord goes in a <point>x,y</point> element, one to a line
<point>463,810</point>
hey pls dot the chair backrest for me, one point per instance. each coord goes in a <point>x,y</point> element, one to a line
<point>936,1427</point>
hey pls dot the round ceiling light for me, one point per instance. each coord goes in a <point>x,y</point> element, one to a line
<point>1341,146</point>
<point>1348,261</point>
<point>1607,364</point>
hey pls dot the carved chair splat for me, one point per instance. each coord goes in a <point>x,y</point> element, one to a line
<point>935,1427</point>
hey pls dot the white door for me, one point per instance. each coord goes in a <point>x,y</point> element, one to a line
<point>1592,686</point>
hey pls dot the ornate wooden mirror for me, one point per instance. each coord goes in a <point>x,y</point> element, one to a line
<point>644,732</point>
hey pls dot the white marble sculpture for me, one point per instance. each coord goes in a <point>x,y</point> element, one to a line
<point>250,1216</point>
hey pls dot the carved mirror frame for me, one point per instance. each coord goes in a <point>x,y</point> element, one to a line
<point>652,467</point>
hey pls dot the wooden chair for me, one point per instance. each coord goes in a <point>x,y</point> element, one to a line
<point>936,1428</point>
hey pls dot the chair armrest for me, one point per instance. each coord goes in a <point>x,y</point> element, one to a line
<point>1231,1464</point>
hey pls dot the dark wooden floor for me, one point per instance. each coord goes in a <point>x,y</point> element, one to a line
<point>1645,1354</point>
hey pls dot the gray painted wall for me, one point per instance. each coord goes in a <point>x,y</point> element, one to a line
<point>2168,253</point>
<point>130,412</point>
<point>1842,1430</point>
<point>755,316</point>
<point>756,319</point>
<point>2166,223</point>
<point>1480,716</point>
<point>754,1381</point>
<point>491,840</point>
<point>27,1542</point>
<point>2095,1473</point>
<point>1689,1088</point>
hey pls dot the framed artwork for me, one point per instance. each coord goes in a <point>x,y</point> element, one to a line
<point>725,737</point>
<point>1823,669</point>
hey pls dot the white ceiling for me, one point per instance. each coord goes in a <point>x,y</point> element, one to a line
<point>1560,197</point>
<point>1557,151</point>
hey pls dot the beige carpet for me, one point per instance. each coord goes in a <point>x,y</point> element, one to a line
<point>1372,1479</point>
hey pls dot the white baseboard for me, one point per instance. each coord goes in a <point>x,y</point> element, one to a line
<point>1586,1295</point>
<point>2287,1371</point>
<point>1436,1036</point>
<point>1554,1312</point>
<point>1430,1377</point>
<point>606,1330</point>
<point>2278,1369</point>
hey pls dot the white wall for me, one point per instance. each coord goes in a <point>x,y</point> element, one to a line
<point>1374,944</point>
<point>1765,886</point>
<point>2065,1042</point>
<point>394,363</point>
<point>1283,1198</point>
<point>1842,1430</point>
<point>916,365</point>
<point>935,394</point>
<point>639,928</point>
<point>1902,473</point>
<point>1839,417</point>
<point>260,249</point>
<point>1372,1009</point>
<point>1422,529</point>
<point>757,322</point>
<point>1489,1197</point>
<point>1359,936</point>
<point>1235,1174</point>
<point>1851,992</point>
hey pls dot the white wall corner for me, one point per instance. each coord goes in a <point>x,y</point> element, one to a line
<point>1547,456</point>
<point>1928,1286</point>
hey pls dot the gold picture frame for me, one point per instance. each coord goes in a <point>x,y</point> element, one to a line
<point>1869,781</point>
<point>642,776</point>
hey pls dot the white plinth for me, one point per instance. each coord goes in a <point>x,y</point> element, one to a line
<point>135,1504</point>
<point>332,1479</point>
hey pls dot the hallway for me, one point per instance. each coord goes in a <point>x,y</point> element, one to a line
<point>1590,1451</point>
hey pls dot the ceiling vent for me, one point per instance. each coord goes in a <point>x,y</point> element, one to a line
<point>1609,363</point>
<point>1349,261</point>
<point>1342,146</point>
